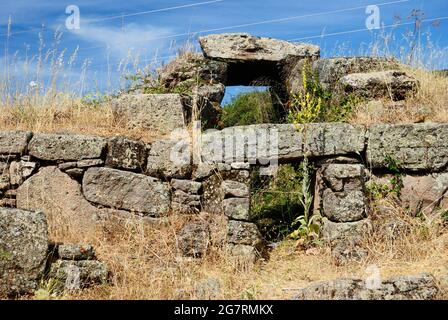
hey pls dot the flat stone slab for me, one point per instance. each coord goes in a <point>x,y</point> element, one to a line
<point>243,46</point>
<point>66,147</point>
<point>415,147</point>
<point>410,287</point>
<point>23,250</point>
<point>158,113</point>
<point>284,142</point>
<point>126,190</point>
<point>14,142</point>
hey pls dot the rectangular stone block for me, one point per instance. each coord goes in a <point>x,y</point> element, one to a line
<point>66,147</point>
<point>126,190</point>
<point>14,142</point>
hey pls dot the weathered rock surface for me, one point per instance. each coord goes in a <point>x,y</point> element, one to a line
<point>169,159</point>
<point>244,253</point>
<point>330,70</point>
<point>194,239</point>
<point>213,194</point>
<point>78,274</point>
<point>415,147</point>
<point>243,46</point>
<point>424,193</point>
<point>14,142</point>
<point>283,141</point>
<point>126,190</point>
<point>235,189</point>
<point>344,206</point>
<point>188,186</point>
<point>245,233</point>
<point>76,252</point>
<point>20,170</point>
<point>52,147</point>
<point>393,83</point>
<point>185,71</point>
<point>183,202</point>
<point>344,177</point>
<point>149,112</point>
<point>418,287</point>
<point>23,250</point>
<point>126,154</point>
<point>237,208</point>
<point>60,197</point>
<point>345,238</point>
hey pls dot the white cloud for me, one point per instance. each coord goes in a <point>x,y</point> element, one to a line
<point>119,41</point>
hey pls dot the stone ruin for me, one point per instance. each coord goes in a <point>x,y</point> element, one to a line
<point>88,178</point>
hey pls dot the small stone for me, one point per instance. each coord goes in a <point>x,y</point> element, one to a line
<point>89,163</point>
<point>246,233</point>
<point>76,252</point>
<point>186,185</point>
<point>80,274</point>
<point>67,165</point>
<point>75,173</point>
<point>235,189</point>
<point>240,165</point>
<point>194,239</point>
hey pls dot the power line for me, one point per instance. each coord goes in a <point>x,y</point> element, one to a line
<point>125,15</point>
<point>154,11</point>
<point>364,29</point>
<point>256,23</point>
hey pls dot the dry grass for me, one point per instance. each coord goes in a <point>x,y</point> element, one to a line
<point>430,103</point>
<point>145,262</point>
<point>67,114</point>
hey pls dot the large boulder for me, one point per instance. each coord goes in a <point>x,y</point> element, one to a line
<point>23,250</point>
<point>66,147</point>
<point>60,197</point>
<point>414,147</point>
<point>126,190</point>
<point>416,287</point>
<point>14,142</point>
<point>393,84</point>
<point>158,113</point>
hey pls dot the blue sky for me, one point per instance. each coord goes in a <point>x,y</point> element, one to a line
<point>112,30</point>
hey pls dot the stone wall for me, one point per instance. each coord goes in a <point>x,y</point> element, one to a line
<point>83,179</point>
